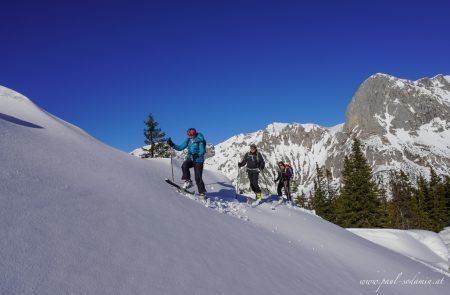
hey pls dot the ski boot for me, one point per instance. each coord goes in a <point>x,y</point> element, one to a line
<point>187,184</point>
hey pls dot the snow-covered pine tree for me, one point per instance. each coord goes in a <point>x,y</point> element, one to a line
<point>155,138</point>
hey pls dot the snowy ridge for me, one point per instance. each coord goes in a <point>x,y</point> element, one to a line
<point>14,106</point>
<point>447,78</point>
<point>335,129</point>
<point>276,128</point>
<point>79,217</point>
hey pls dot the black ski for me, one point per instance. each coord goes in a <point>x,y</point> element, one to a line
<point>178,187</point>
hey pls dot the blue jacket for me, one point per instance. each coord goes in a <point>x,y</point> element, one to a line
<point>196,148</point>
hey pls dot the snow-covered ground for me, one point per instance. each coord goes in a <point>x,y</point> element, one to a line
<point>80,217</point>
<point>425,246</point>
<point>445,236</point>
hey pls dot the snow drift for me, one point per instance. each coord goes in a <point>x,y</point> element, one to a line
<point>79,217</point>
<point>425,246</point>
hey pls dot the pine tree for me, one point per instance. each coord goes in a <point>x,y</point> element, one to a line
<point>437,213</point>
<point>401,212</point>
<point>155,138</point>
<point>344,209</point>
<point>309,203</point>
<point>301,200</point>
<point>359,204</point>
<point>419,205</point>
<point>320,202</point>
<point>447,197</point>
<point>331,195</point>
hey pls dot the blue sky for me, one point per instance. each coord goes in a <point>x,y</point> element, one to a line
<point>223,67</point>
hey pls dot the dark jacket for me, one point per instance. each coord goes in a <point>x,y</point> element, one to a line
<point>254,161</point>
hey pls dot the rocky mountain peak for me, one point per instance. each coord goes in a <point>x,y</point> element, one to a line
<point>384,103</point>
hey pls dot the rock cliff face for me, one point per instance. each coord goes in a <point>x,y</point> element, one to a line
<point>402,124</point>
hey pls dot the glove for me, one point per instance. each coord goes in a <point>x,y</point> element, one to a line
<point>170,142</point>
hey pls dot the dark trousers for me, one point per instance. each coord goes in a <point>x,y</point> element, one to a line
<point>284,184</point>
<point>253,177</point>
<point>198,171</point>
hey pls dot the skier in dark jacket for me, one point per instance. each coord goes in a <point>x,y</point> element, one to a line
<point>195,143</point>
<point>284,177</point>
<point>255,164</point>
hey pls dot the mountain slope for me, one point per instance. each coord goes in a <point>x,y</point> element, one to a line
<point>79,217</point>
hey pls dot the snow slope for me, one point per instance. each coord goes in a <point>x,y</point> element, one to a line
<point>79,217</point>
<point>425,246</point>
<point>445,236</point>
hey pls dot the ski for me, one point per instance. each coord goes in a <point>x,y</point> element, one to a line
<point>179,187</point>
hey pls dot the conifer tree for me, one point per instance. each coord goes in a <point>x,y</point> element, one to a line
<point>359,204</point>
<point>344,212</point>
<point>419,205</point>
<point>438,214</point>
<point>447,197</point>
<point>155,138</point>
<point>320,202</point>
<point>301,200</point>
<point>402,215</point>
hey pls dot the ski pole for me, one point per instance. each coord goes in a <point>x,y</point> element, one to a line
<point>171,163</point>
<point>237,183</point>
<point>275,183</point>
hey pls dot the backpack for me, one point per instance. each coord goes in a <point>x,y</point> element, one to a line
<point>289,170</point>
<point>204,145</point>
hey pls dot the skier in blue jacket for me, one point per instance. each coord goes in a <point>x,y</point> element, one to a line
<point>196,146</point>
